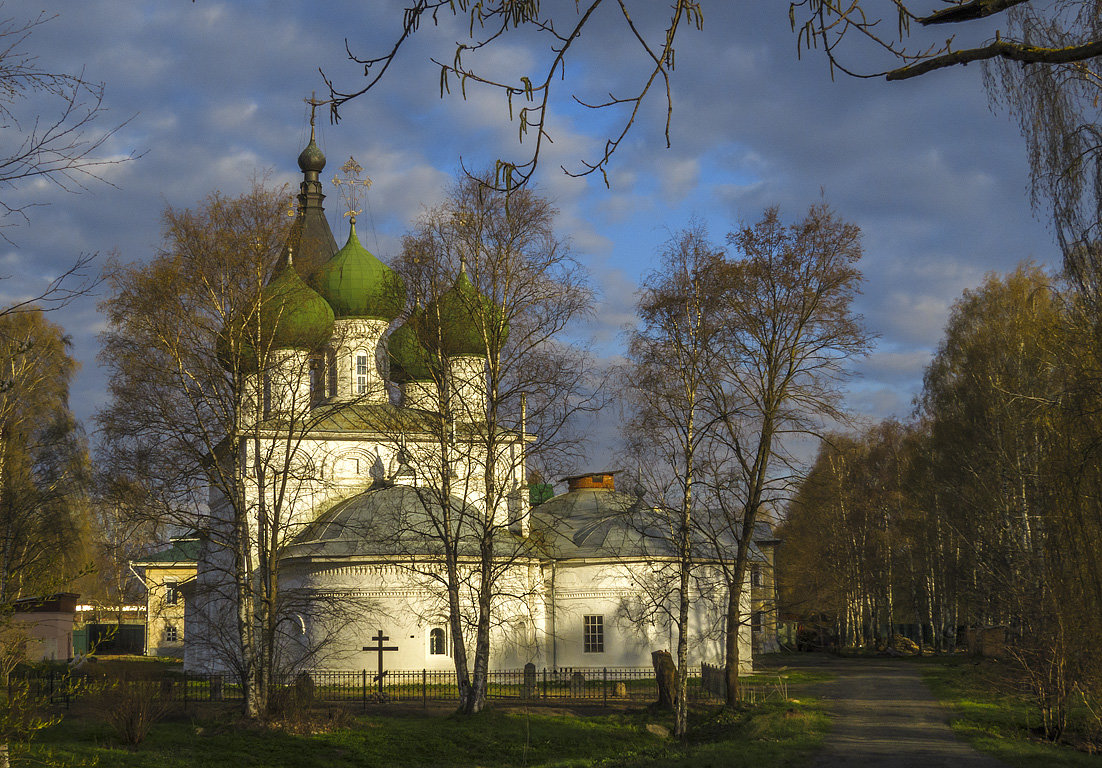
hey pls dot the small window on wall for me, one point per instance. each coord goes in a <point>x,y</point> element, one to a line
<point>756,621</point>
<point>594,634</point>
<point>171,635</point>
<point>361,374</point>
<point>267,395</point>
<point>331,371</point>
<point>755,576</point>
<point>317,379</point>
<point>438,642</point>
<point>172,593</point>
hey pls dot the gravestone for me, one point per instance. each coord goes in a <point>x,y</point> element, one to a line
<point>577,685</point>
<point>529,689</point>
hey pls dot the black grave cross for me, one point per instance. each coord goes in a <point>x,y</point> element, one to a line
<point>379,648</point>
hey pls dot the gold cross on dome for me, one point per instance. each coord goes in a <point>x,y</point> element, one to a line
<point>314,103</point>
<point>351,186</point>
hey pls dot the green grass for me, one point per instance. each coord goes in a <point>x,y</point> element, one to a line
<point>774,734</point>
<point>987,712</point>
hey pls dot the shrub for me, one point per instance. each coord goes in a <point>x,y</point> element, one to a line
<point>131,707</point>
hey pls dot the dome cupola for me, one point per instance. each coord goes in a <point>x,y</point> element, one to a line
<point>292,314</point>
<point>461,320</point>
<point>409,360</point>
<point>311,159</point>
<point>357,284</point>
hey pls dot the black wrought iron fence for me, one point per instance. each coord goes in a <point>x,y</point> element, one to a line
<point>602,685</point>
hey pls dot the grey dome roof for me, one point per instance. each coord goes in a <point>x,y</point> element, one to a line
<point>596,523</point>
<point>397,520</point>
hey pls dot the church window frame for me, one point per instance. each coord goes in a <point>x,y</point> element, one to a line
<point>267,395</point>
<point>317,379</point>
<point>438,642</point>
<point>593,633</point>
<point>361,373</point>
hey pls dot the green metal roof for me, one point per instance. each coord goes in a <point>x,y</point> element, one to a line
<point>409,360</point>
<point>181,551</point>
<point>293,313</point>
<point>460,321</point>
<point>357,284</point>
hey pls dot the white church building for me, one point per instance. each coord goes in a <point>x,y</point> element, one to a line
<point>359,558</point>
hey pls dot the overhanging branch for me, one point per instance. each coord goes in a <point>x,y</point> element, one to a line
<point>1006,49</point>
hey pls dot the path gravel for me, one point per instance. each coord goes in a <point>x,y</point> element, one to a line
<point>885,716</point>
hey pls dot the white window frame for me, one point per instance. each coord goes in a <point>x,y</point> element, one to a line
<point>360,363</point>
<point>172,635</point>
<point>593,633</point>
<point>443,634</point>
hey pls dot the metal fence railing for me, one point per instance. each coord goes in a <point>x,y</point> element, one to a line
<point>597,685</point>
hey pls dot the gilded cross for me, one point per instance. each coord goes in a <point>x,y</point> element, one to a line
<point>351,186</point>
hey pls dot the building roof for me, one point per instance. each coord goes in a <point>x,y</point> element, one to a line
<point>597,523</point>
<point>356,284</point>
<point>182,550</point>
<point>293,313</point>
<point>394,520</point>
<point>409,360</point>
<point>461,321</point>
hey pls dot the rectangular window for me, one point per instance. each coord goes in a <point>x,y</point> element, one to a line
<point>331,370</point>
<point>594,634</point>
<point>755,621</point>
<point>361,374</point>
<point>755,576</point>
<point>171,593</point>
<point>267,395</point>
<point>171,635</point>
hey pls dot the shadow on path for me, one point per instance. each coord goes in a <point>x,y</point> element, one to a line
<point>885,716</point>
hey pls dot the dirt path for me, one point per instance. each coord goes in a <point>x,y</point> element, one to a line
<point>884,716</point>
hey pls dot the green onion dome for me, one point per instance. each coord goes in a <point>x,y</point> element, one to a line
<point>356,284</point>
<point>409,360</point>
<point>293,313</point>
<point>461,320</point>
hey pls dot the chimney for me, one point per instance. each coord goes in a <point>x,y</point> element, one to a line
<point>600,481</point>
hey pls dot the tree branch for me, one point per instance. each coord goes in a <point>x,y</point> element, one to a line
<point>1006,49</point>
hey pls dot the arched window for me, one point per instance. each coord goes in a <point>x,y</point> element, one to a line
<point>438,642</point>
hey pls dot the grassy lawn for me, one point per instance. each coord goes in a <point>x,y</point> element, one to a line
<point>990,714</point>
<point>772,734</point>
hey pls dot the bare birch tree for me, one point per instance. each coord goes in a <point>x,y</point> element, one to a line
<point>669,427</point>
<point>790,334</point>
<point>211,412</point>
<point>494,289</point>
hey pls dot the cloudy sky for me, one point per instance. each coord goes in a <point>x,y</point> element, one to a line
<point>214,94</point>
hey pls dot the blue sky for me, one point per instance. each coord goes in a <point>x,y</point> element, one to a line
<point>936,180</point>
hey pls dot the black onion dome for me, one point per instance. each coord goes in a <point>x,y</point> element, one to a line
<point>312,158</point>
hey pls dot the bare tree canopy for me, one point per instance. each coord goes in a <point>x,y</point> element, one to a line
<point>896,39</point>
<point>63,146</point>
<point>1062,32</point>
<point>529,95</point>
